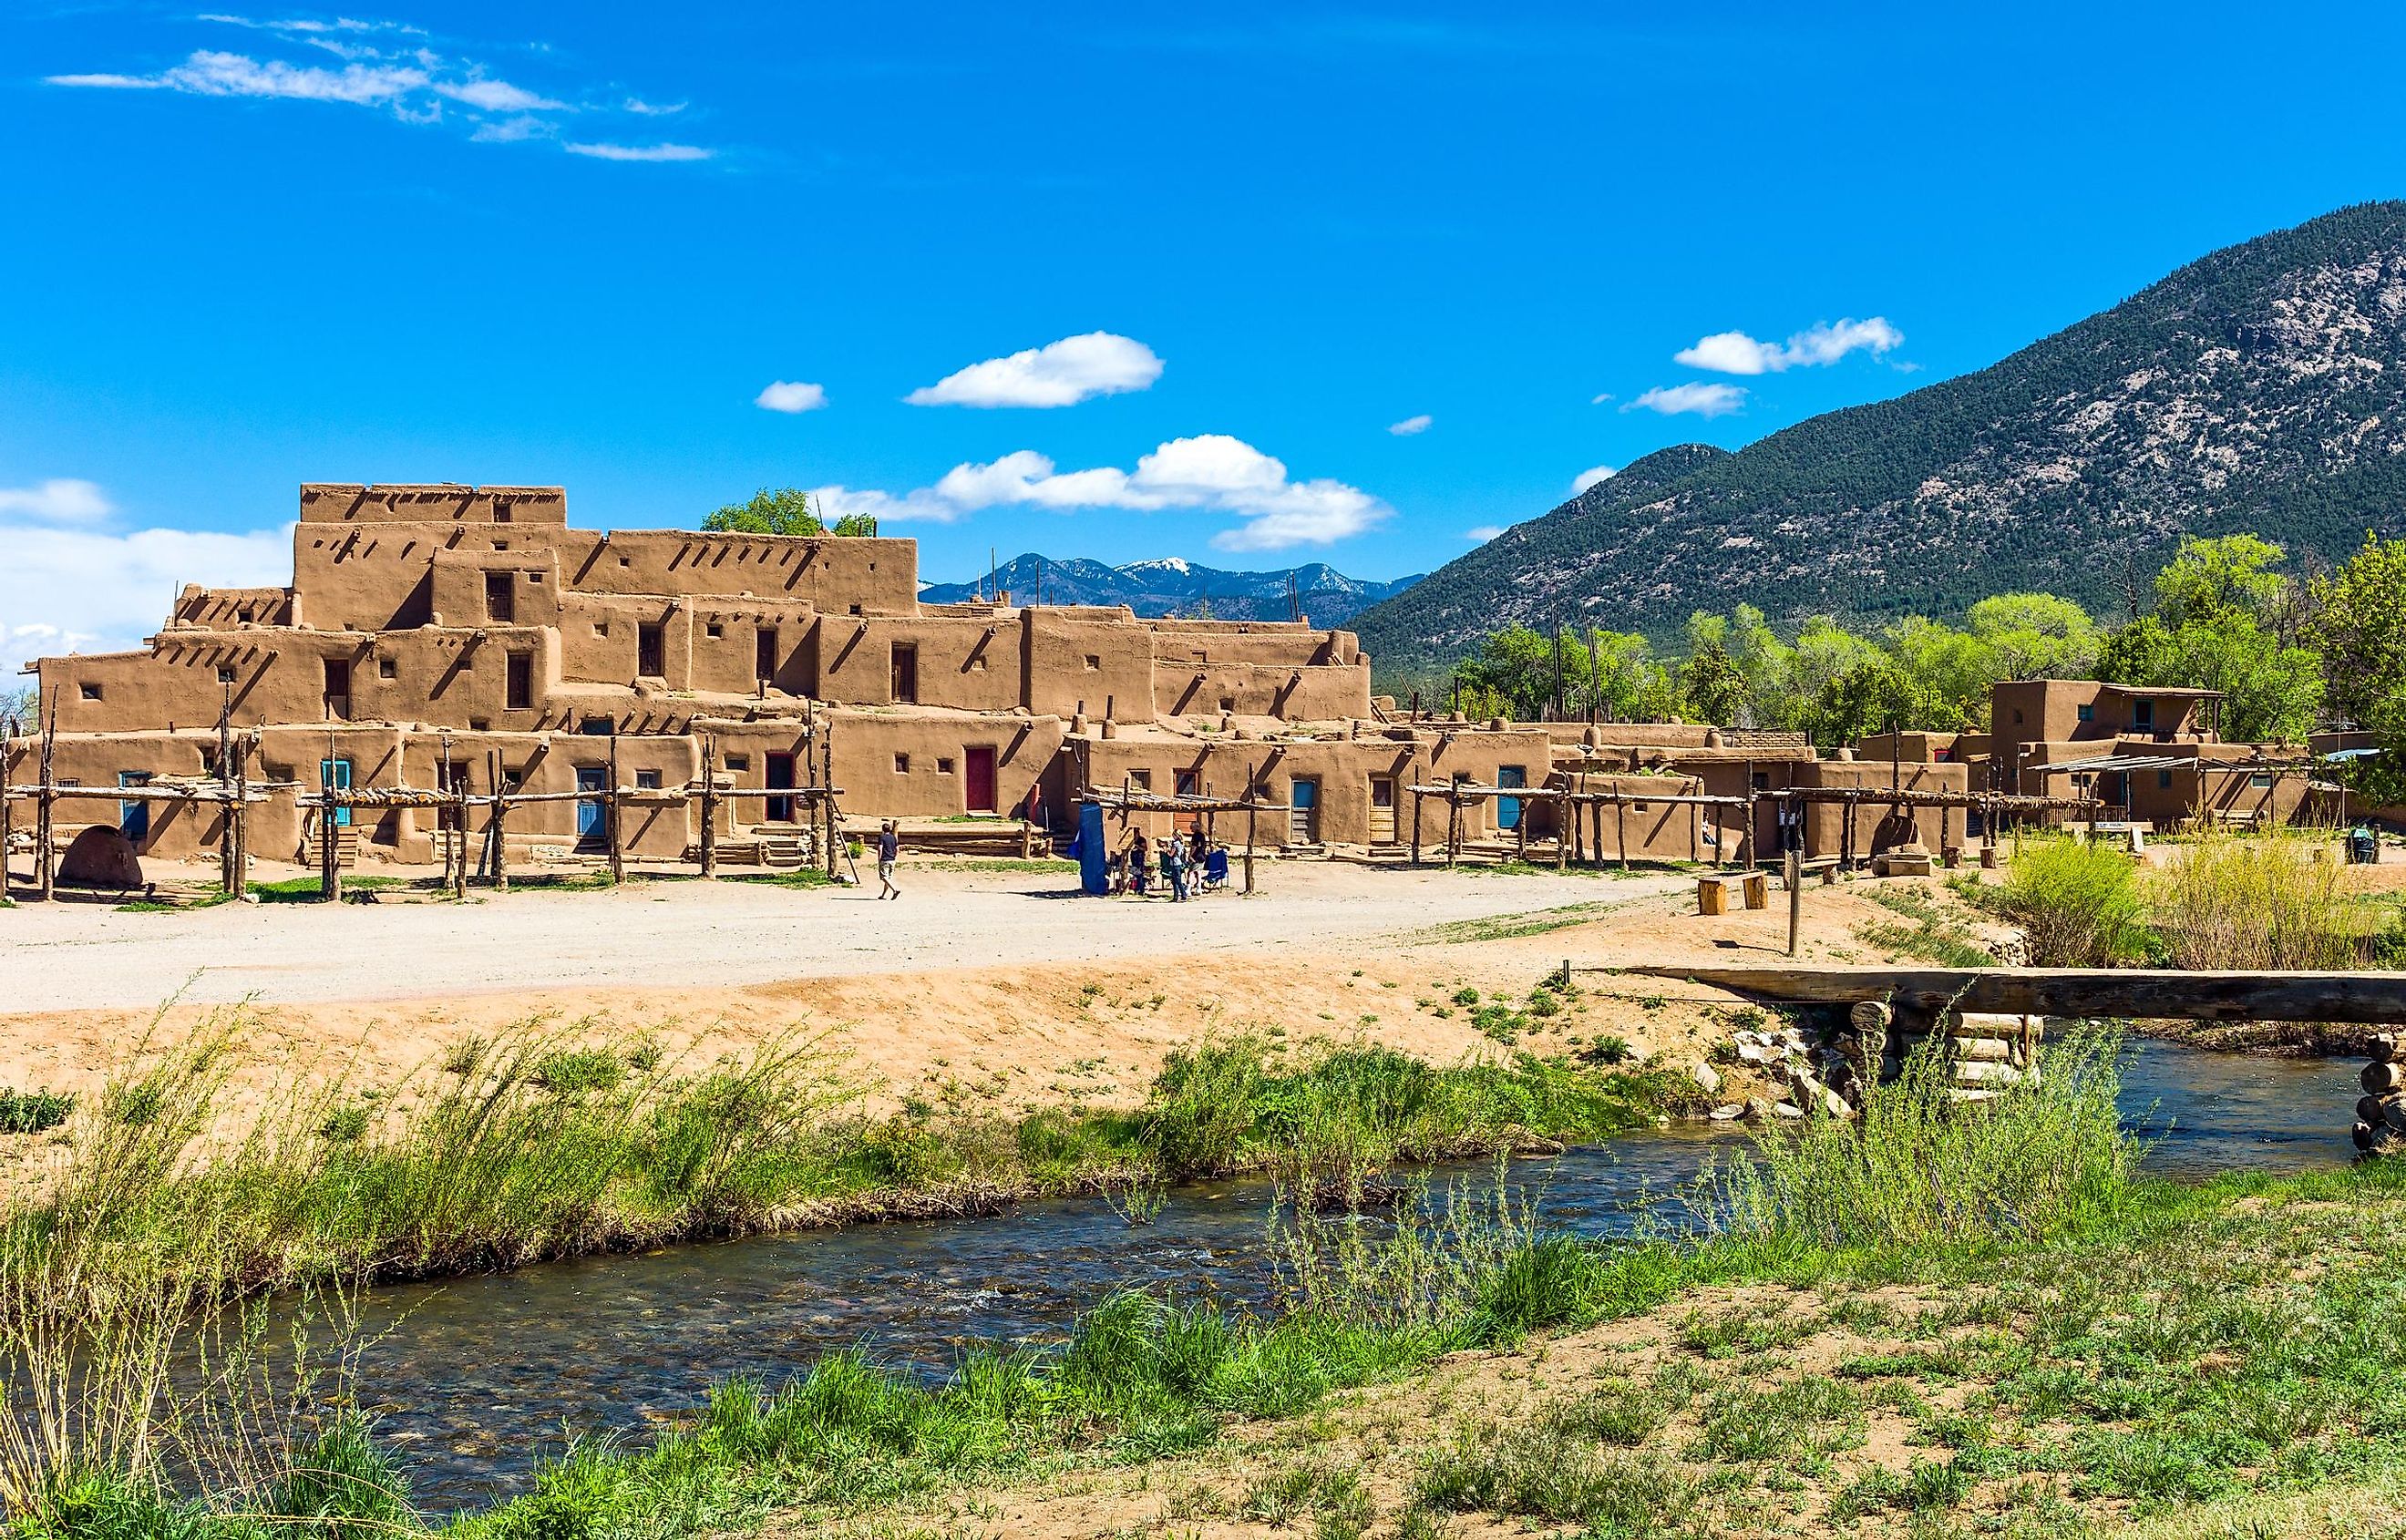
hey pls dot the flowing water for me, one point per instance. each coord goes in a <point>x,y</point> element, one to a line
<point>476,1380</point>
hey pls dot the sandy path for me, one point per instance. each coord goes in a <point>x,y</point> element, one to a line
<point>82,957</point>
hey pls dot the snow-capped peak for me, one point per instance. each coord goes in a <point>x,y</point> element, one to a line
<point>1159,564</point>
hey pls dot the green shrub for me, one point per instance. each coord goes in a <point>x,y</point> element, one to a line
<point>2258,901</point>
<point>572,1071</point>
<point>32,1111</point>
<point>2079,904</point>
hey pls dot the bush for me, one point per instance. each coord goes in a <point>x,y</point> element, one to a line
<point>2258,902</point>
<point>570,1071</point>
<point>32,1111</point>
<point>2079,904</point>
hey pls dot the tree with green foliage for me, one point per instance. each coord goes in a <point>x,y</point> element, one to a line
<point>1714,687</point>
<point>785,511</point>
<point>2359,623</point>
<point>2211,630</point>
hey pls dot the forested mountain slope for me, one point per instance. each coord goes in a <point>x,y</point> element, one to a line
<point>2261,389</point>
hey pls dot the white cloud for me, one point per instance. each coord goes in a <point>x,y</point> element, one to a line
<point>1600,400</point>
<point>1735,353</point>
<point>642,152</point>
<point>1059,374</point>
<point>94,590</point>
<point>1409,426</point>
<point>1483,532</point>
<point>60,499</point>
<point>791,396</point>
<point>1705,401</point>
<point>387,66</point>
<point>497,96</point>
<point>1210,473</point>
<point>1590,476</point>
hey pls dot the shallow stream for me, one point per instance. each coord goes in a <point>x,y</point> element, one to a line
<point>476,1380</point>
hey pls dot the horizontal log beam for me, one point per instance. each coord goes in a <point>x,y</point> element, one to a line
<point>2138,994</point>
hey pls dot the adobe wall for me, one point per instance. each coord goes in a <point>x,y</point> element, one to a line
<point>225,609</point>
<point>430,503</point>
<point>970,663</point>
<point>893,764</point>
<point>1877,826</point>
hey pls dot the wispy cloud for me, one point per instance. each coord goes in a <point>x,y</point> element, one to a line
<point>1410,426</point>
<point>1713,400</point>
<point>1059,374</point>
<point>1210,473</point>
<point>641,108</point>
<point>1590,476</point>
<point>1482,532</point>
<point>791,396</point>
<point>1825,342</point>
<point>640,152</point>
<point>391,67</point>
<point>60,499</point>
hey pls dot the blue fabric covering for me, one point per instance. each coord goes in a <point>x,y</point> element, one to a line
<point>1093,857</point>
<point>1215,866</point>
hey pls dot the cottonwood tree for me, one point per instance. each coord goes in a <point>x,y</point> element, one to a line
<point>2359,623</point>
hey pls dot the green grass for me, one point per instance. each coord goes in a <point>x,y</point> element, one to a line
<point>32,1111</point>
<point>2079,904</point>
<point>305,890</point>
<point>2132,1345</point>
<point>1929,932</point>
<point>1502,927</point>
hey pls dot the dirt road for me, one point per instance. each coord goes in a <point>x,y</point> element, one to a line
<point>84,958</point>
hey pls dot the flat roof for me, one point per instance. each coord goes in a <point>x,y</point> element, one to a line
<point>2187,692</point>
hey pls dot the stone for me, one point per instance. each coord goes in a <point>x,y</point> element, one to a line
<point>100,857</point>
<point>1708,1079</point>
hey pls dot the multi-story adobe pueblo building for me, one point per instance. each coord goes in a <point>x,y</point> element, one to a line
<point>456,638</point>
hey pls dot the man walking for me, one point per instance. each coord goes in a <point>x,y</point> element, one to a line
<point>889,850</point>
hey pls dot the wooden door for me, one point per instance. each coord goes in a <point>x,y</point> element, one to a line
<point>779,810</point>
<point>977,776</point>
<point>1382,809</point>
<point>906,674</point>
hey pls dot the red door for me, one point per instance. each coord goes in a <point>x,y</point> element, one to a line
<point>978,771</point>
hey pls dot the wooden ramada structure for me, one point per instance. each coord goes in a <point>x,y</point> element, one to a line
<point>456,676</point>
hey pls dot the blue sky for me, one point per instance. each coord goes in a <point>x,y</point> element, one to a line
<point>582,245</point>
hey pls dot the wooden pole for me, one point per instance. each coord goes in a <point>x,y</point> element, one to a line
<point>450,837</point>
<point>1417,800</point>
<point>1253,794</point>
<point>1453,829</point>
<point>459,844</point>
<point>1520,827</point>
<point>1620,826</point>
<point>709,805</point>
<point>1746,836</point>
<point>241,813</point>
<point>46,833</point>
<point>499,827</point>
<point>1796,894</point>
<point>826,791</point>
<point>225,785</point>
<point>610,812</point>
<point>8,754</point>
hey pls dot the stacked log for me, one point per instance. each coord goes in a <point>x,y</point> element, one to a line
<point>1981,1053</point>
<point>2380,1111</point>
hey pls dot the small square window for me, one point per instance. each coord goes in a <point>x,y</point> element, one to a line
<point>500,545</point>
<point>501,515</point>
<point>647,780</point>
<point>388,668</point>
<point>1141,780</point>
<point>533,578</point>
<point>479,724</point>
<point>1227,702</point>
<point>856,609</point>
<point>715,631</point>
<point>739,761</point>
<point>601,628</point>
<point>902,763</point>
<point>2088,714</point>
<point>1093,662</point>
<point>624,562</point>
<point>225,674</point>
<point>594,727</point>
<point>2260,780</point>
<point>88,690</point>
<point>943,767</point>
<point>2163,780</point>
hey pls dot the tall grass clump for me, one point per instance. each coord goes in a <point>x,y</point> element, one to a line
<point>2080,904</point>
<point>1918,1171</point>
<point>2260,901</point>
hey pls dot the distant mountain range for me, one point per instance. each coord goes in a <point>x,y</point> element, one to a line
<point>2260,388</point>
<point>1172,586</point>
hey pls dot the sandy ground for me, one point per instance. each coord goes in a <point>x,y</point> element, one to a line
<point>985,988</point>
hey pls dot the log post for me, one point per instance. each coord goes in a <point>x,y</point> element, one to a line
<point>826,792</point>
<point>459,843</point>
<point>610,812</point>
<point>241,813</point>
<point>1562,829</point>
<point>1252,795</point>
<point>499,827</point>
<point>1795,895</point>
<point>8,804</point>
<point>1620,826</point>
<point>709,806</point>
<point>1520,827</point>
<point>225,790</point>
<point>1452,825</point>
<point>46,833</point>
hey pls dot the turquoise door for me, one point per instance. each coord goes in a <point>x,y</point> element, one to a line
<point>1508,808</point>
<point>337,774</point>
<point>134,818</point>
<point>591,817</point>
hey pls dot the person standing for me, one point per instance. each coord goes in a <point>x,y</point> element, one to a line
<point>1173,868</point>
<point>889,850</point>
<point>1139,864</point>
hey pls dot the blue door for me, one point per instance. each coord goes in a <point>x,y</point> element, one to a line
<point>134,818</point>
<point>337,774</point>
<point>1508,808</point>
<point>1303,821</point>
<point>591,816</point>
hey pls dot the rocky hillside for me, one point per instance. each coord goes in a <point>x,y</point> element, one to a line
<point>1174,586</point>
<point>2262,387</point>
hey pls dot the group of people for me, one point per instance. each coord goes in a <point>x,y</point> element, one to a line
<point>1185,861</point>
